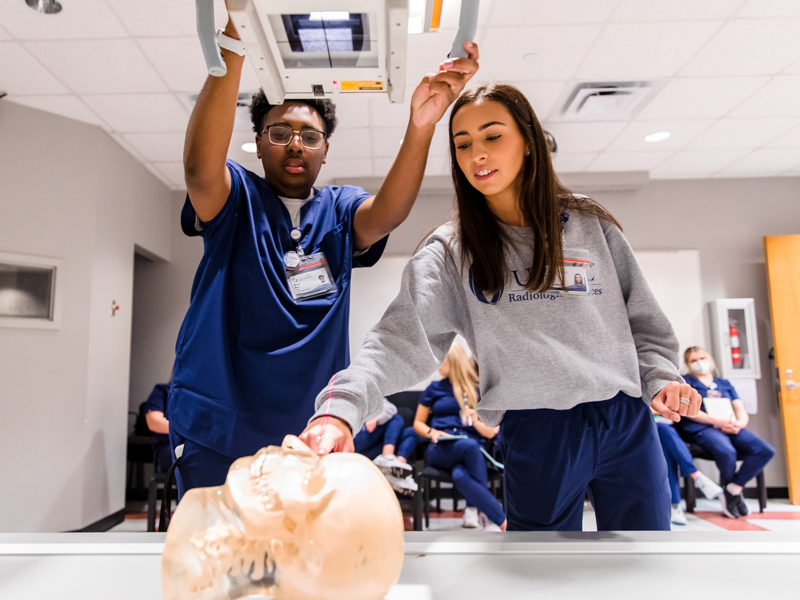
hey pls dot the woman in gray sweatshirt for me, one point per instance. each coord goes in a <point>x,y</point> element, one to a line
<point>567,373</point>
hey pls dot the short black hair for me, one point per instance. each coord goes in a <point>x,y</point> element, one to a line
<point>260,106</point>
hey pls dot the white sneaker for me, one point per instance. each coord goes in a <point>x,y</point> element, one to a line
<point>402,485</point>
<point>391,465</point>
<point>677,516</point>
<point>471,518</point>
<point>709,489</point>
<point>489,525</point>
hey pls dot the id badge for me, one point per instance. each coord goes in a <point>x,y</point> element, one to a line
<point>311,278</point>
<point>576,276</point>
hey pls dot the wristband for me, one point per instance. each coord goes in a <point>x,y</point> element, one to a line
<point>229,43</point>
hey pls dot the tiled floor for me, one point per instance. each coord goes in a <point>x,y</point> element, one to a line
<point>779,516</point>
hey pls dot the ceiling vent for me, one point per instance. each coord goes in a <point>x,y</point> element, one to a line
<point>616,101</point>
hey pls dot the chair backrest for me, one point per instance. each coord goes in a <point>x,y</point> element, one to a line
<point>406,403</point>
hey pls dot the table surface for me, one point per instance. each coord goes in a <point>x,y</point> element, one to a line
<point>451,565</point>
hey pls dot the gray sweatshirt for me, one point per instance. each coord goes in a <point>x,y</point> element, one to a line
<point>535,350</point>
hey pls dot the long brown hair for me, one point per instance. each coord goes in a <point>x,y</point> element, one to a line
<point>463,376</point>
<point>542,200</point>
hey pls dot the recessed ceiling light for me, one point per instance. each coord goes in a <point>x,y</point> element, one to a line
<point>250,147</point>
<point>658,136</point>
<point>49,7</point>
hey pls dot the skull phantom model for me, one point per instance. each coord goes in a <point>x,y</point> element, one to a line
<point>290,526</point>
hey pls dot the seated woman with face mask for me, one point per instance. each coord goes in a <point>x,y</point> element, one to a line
<point>720,437</point>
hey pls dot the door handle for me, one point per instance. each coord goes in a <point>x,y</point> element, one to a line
<point>790,385</point>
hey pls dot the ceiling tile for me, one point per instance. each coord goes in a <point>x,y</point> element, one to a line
<point>99,66</point>
<point>551,12</point>
<point>440,144</point>
<point>584,137</point>
<point>700,98</point>
<point>645,50</point>
<point>145,18</point>
<point>553,52</point>
<point>173,172</point>
<point>741,133</point>
<point>792,69</point>
<point>120,139</point>
<point>451,12</point>
<point>572,162</point>
<point>628,161</point>
<point>687,162</point>
<point>140,113</point>
<point>767,161</point>
<point>352,110</point>
<point>383,113</point>
<point>87,19</point>
<point>157,147</point>
<point>770,8</point>
<point>790,139</point>
<point>748,47</point>
<point>348,142</point>
<point>386,141</point>
<point>674,10</point>
<point>179,60</point>
<point>777,98</point>
<point>542,95</point>
<point>4,35</point>
<point>23,75</point>
<point>426,52</point>
<point>235,151</point>
<point>347,167</point>
<point>67,106</point>
<point>681,133</point>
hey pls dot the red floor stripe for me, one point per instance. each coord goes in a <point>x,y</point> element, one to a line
<point>775,516</point>
<point>741,524</point>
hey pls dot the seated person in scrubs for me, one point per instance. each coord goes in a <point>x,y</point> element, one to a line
<point>450,405</point>
<point>680,464</point>
<point>259,338</point>
<point>724,439</point>
<point>155,410</point>
<point>390,445</point>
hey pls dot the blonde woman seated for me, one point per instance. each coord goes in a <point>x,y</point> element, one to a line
<point>721,438</point>
<point>450,404</point>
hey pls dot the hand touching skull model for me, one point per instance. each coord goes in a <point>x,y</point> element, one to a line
<point>290,526</point>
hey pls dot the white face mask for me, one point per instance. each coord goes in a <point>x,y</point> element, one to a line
<point>701,367</point>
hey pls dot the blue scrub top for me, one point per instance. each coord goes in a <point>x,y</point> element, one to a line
<point>445,411</point>
<point>157,401</point>
<point>249,359</point>
<point>725,389</point>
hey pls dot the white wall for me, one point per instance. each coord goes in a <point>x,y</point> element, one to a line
<point>70,192</point>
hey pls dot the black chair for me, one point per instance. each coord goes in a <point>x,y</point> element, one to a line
<point>140,453</point>
<point>698,452</point>
<point>406,403</point>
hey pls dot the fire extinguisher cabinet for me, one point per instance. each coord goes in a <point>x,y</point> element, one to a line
<point>734,338</point>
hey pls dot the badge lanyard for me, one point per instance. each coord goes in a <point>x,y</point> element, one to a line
<point>308,276</point>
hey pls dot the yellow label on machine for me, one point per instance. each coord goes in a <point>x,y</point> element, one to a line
<point>361,86</point>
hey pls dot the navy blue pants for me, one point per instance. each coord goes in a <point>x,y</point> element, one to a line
<point>199,466</point>
<point>393,432</point>
<point>464,459</point>
<point>609,449</point>
<point>679,459</point>
<point>723,447</point>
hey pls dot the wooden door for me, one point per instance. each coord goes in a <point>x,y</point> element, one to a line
<point>783,274</point>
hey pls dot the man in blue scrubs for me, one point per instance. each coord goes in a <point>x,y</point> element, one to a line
<point>253,350</point>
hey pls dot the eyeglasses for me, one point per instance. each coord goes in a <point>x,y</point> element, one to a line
<point>281,135</point>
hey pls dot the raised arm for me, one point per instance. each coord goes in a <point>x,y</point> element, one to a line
<point>380,215</point>
<point>208,136</point>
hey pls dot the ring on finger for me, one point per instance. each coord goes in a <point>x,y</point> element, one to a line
<point>685,401</point>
